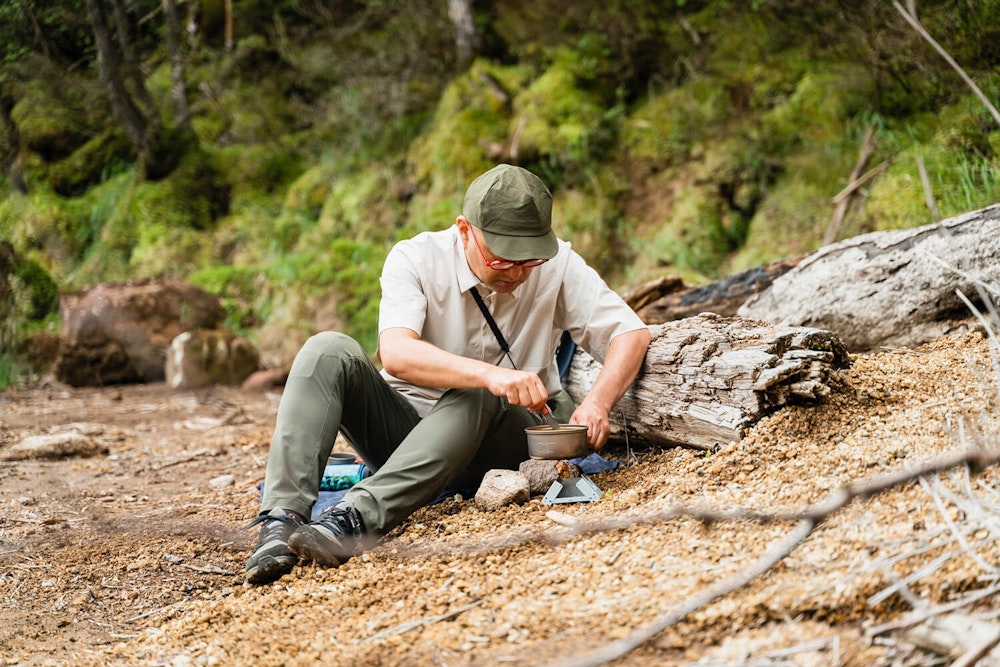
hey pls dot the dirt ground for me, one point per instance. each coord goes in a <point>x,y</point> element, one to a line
<point>134,556</point>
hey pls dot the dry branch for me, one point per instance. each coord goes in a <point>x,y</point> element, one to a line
<point>911,18</point>
<point>843,200</point>
<point>808,519</point>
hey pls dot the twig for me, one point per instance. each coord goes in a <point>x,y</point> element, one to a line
<point>420,622</point>
<point>867,148</point>
<point>808,520</point>
<point>932,491</point>
<point>861,180</point>
<point>817,645</point>
<point>928,192</point>
<point>933,611</point>
<point>152,611</point>
<point>916,25</point>
<point>206,570</point>
<point>622,647</point>
<point>976,653</point>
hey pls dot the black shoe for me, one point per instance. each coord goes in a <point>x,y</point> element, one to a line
<point>272,558</point>
<point>331,539</point>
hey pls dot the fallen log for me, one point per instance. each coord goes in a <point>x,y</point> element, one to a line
<point>667,298</point>
<point>706,379</point>
<point>890,289</point>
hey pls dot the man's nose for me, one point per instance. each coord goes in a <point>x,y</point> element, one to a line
<point>514,272</point>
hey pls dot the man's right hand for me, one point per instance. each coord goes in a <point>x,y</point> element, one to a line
<point>518,387</point>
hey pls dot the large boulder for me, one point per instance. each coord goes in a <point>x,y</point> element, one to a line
<point>206,357</point>
<point>119,333</point>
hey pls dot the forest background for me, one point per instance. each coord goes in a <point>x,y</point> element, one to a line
<point>272,152</point>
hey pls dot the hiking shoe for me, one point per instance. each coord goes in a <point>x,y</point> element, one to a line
<point>332,538</point>
<point>272,558</point>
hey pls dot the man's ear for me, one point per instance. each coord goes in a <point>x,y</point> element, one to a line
<point>464,226</point>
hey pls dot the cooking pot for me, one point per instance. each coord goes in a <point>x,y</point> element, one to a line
<point>559,441</point>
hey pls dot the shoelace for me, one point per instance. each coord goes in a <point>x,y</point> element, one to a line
<point>269,529</point>
<point>330,517</point>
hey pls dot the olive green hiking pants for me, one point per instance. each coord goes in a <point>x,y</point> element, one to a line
<point>333,386</point>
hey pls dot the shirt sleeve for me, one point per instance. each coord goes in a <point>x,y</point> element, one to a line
<point>594,313</point>
<point>404,303</point>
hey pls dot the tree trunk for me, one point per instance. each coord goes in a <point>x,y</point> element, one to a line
<point>228,4</point>
<point>466,39</point>
<point>109,69</point>
<point>706,379</point>
<point>178,86</point>
<point>130,64</point>
<point>9,138</point>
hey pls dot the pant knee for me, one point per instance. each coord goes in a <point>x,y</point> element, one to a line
<point>333,343</point>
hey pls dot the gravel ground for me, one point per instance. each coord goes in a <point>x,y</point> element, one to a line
<point>135,557</point>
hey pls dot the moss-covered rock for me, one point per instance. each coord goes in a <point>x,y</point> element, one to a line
<point>561,124</point>
<point>100,157</point>
<point>48,125</point>
<point>471,124</point>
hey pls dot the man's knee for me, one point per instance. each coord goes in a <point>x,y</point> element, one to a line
<point>334,344</point>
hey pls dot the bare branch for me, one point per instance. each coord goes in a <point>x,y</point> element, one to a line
<point>622,647</point>
<point>916,25</point>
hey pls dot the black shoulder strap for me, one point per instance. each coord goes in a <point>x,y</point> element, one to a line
<point>493,325</point>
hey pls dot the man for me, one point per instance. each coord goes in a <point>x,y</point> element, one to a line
<point>450,402</point>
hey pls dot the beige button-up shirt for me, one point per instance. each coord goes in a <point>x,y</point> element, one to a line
<point>425,288</point>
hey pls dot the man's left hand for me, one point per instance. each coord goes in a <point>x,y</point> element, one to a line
<point>597,422</point>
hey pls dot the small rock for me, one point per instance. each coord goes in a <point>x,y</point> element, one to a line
<point>502,487</point>
<point>222,481</point>
<point>265,379</point>
<point>541,473</point>
<point>56,446</point>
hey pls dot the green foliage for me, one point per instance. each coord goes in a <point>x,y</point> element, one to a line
<point>469,117</point>
<point>690,136</point>
<point>239,289</point>
<point>28,300</point>
<point>104,155</point>
<point>664,129</point>
<point>563,125</point>
<point>588,215</point>
<point>357,267</point>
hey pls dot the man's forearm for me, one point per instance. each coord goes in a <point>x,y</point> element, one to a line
<point>621,365</point>
<point>426,365</point>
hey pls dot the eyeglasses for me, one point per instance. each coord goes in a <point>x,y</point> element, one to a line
<point>504,264</point>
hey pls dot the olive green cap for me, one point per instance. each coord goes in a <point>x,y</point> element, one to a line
<point>513,208</point>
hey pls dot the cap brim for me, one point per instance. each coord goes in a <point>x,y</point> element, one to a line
<point>520,248</point>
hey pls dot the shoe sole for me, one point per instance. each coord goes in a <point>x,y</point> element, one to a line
<point>310,547</point>
<point>269,568</point>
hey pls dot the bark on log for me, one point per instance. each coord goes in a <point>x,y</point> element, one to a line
<point>890,289</point>
<point>668,298</point>
<point>706,379</point>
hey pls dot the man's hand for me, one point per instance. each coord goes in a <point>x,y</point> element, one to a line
<point>597,421</point>
<point>518,387</point>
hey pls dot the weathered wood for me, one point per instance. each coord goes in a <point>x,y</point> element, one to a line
<point>708,378</point>
<point>890,289</point>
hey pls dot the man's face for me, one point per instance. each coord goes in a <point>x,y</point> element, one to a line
<point>477,254</point>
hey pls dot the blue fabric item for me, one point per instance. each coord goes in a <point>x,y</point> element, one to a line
<point>595,463</point>
<point>326,499</point>
<point>564,354</point>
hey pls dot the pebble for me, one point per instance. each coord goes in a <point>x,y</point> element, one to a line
<point>222,481</point>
